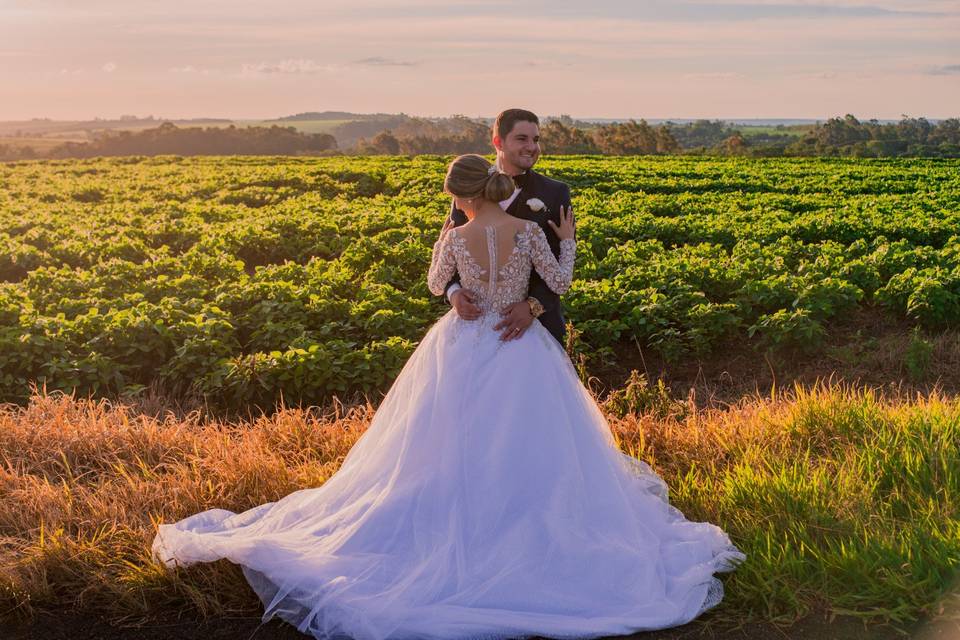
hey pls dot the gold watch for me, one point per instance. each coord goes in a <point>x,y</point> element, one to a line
<point>535,307</point>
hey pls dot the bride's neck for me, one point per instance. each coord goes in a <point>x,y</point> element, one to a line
<point>489,212</point>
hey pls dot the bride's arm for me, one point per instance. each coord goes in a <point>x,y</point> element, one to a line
<point>443,264</point>
<point>557,274</point>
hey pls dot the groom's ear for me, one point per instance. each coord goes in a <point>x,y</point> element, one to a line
<point>497,142</point>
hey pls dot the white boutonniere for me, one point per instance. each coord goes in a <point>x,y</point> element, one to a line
<point>536,204</point>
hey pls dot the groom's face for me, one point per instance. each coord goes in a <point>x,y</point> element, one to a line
<point>521,146</point>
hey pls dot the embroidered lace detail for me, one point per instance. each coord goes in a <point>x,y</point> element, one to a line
<point>557,274</point>
<point>443,264</point>
<point>508,283</point>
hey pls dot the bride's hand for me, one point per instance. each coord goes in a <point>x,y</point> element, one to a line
<point>565,230</point>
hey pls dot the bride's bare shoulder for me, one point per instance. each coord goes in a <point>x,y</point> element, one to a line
<point>462,231</point>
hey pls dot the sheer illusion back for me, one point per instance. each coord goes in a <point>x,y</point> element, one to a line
<point>495,262</point>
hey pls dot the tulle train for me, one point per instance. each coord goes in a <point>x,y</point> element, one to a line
<point>486,499</point>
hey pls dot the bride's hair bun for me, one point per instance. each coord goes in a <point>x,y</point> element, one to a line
<point>472,176</point>
<point>499,187</point>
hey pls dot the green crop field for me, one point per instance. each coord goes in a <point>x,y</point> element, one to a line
<point>244,278</point>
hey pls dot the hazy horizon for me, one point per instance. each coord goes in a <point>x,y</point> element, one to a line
<point>759,59</point>
<point>651,119</point>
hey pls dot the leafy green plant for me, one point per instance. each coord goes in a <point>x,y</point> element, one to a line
<point>639,397</point>
<point>188,273</point>
<point>784,329</point>
<point>918,356</point>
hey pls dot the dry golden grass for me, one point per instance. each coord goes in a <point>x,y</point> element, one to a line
<point>84,483</point>
<point>821,487</point>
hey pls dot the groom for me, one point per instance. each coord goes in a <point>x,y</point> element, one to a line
<point>516,137</point>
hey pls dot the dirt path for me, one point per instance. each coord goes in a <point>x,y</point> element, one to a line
<point>76,627</point>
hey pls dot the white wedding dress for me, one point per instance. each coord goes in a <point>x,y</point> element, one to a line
<point>487,498</point>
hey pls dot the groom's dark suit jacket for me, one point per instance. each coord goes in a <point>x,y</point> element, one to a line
<point>554,194</point>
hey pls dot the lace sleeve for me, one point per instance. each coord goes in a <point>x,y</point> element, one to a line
<point>556,274</point>
<point>443,265</point>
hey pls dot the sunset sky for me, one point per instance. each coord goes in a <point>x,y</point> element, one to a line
<point>591,58</point>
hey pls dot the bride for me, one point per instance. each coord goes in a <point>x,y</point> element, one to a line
<point>487,498</point>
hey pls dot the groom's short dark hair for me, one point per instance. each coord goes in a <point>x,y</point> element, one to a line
<point>509,117</point>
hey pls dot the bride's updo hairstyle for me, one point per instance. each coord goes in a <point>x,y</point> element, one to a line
<point>471,176</point>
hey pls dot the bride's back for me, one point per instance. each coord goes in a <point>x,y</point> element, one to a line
<point>492,260</point>
<point>494,257</point>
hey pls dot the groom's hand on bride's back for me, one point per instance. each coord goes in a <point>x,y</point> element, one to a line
<point>465,302</point>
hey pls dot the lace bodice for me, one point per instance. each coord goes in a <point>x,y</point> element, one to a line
<point>507,282</point>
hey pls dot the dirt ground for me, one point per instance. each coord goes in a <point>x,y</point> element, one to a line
<point>864,348</point>
<point>76,627</point>
<point>867,347</point>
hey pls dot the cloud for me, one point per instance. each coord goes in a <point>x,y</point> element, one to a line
<point>946,70</point>
<point>289,66</point>
<point>714,75</point>
<point>377,61</point>
<point>109,67</point>
<point>841,75</point>
<point>543,64</point>
<point>753,10</point>
<point>189,69</point>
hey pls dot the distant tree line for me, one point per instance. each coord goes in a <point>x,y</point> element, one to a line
<point>717,136</point>
<point>17,152</point>
<point>463,135</point>
<point>848,136</point>
<point>614,139</point>
<point>411,136</point>
<point>564,136</point>
<point>407,135</point>
<point>189,141</point>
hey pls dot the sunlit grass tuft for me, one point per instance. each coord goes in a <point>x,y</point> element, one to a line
<point>843,500</point>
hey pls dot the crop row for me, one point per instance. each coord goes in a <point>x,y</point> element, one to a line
<point>245,278</point>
